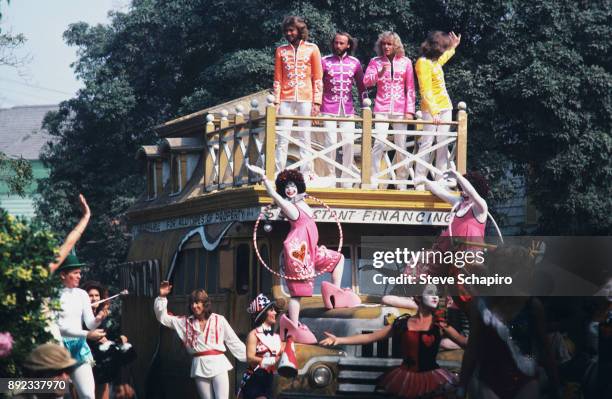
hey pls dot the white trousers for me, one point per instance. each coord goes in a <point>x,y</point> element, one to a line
<point>330,138</point>
<point>216,387</point>
<point>379,147</point>
<point>282,144</point>
<point>83,380</point>
<point>425,142</point>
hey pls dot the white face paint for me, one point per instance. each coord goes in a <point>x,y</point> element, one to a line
<point>430,296</point>
<point>291,190</point>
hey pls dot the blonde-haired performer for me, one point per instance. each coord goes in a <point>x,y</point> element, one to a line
<point>205,335</point>
<point>391,72</point>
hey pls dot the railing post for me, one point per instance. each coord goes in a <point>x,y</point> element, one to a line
<point>208,163</point>
<point>270,137</point>
<point>238,156</point>
<point>252,145</point>
<point>222,156</point>
<point>366,143</point>
<point>462,138</point>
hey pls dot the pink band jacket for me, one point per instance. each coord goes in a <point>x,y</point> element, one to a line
<point>297,73</point>
<point>338,76</point>
<point>394,94</point>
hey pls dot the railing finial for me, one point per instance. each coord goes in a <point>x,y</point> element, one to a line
<point>210,118</point>
<point>224,114</point>
<point>419,114</point>
<point>239,109</point>
<point>270,99</point>
<point>254,104</point>
<point>462,105</point>
<point>367,103</point>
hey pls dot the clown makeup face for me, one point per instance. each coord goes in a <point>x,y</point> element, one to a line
<point>430,297</point>
<point>71,279</point>
<point>291,190</point>
<point>271,316</point>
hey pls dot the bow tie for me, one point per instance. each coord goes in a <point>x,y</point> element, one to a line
<point>268,332</point>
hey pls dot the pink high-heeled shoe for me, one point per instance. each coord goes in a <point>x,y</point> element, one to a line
<point>334,297</point>
<point>300,332</point>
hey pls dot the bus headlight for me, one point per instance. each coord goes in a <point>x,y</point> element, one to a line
<point>320,376</point>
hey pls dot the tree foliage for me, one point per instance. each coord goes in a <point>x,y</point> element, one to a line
<point>25,252</point>
<point>535,76</point>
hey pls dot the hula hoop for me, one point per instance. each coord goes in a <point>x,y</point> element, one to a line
<point>266,211</point>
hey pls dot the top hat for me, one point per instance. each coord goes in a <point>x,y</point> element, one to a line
<point>259,306</point>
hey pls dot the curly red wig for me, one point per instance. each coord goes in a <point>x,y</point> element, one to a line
<point>479,182</point>
<point>287,176</point>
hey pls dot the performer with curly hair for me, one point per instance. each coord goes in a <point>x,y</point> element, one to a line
<point>303,257</point>
<point>419,337</point>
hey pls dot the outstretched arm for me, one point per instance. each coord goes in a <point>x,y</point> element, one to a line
<point>358,339</point>
<point>74,236</point>
<point>289,209</point>
<point>480,205</point>
<point>437,190</point>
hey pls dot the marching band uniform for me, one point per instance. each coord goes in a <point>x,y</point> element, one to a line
<point>395,97</point>
<point>434,101</point>
<point>207,346</point>
<point>297,84</point>
<point>339,73</point>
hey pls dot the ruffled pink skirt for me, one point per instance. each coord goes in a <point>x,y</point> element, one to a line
<point>414,384</point>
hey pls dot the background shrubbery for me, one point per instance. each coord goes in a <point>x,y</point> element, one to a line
<point>25,252</point>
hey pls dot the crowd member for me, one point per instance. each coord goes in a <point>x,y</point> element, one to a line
<point>419,337</point>
<point>391,72</point>
<point>303,256</point>
<point>436,105</point>
<point>298,86</point>
<point>340,70</point>
<point>109,356</point>
<point>49,362</point>
<point>507,341</point>
<point>205,335</point>
<point>263,349</point>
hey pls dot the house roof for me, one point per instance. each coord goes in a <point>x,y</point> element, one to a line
<point>21,133</point>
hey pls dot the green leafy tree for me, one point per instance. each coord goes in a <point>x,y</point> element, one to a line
<point>536,78</point>
<point>15,173</point>
<point>25,252</point>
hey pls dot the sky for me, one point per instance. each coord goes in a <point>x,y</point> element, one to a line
<point>47,78</point>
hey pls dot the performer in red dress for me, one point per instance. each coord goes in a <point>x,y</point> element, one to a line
<point>419,337</point>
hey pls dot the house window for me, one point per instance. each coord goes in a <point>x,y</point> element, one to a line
<point>196,268</point>
<point>175,173</point>
<point>151,181</point>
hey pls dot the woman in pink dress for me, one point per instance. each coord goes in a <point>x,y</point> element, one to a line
<point>303,257</point>
<point>468,225</point>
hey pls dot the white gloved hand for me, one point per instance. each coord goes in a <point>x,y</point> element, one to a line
<point>268,361</point>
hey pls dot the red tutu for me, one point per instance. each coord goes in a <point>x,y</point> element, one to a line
<point>405,383</point>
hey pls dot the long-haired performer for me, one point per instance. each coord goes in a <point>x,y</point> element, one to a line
<point>205,335</point>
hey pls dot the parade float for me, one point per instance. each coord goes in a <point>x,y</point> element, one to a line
<point>194,227</point>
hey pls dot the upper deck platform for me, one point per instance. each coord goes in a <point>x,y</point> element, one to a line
<point>197,173</point>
